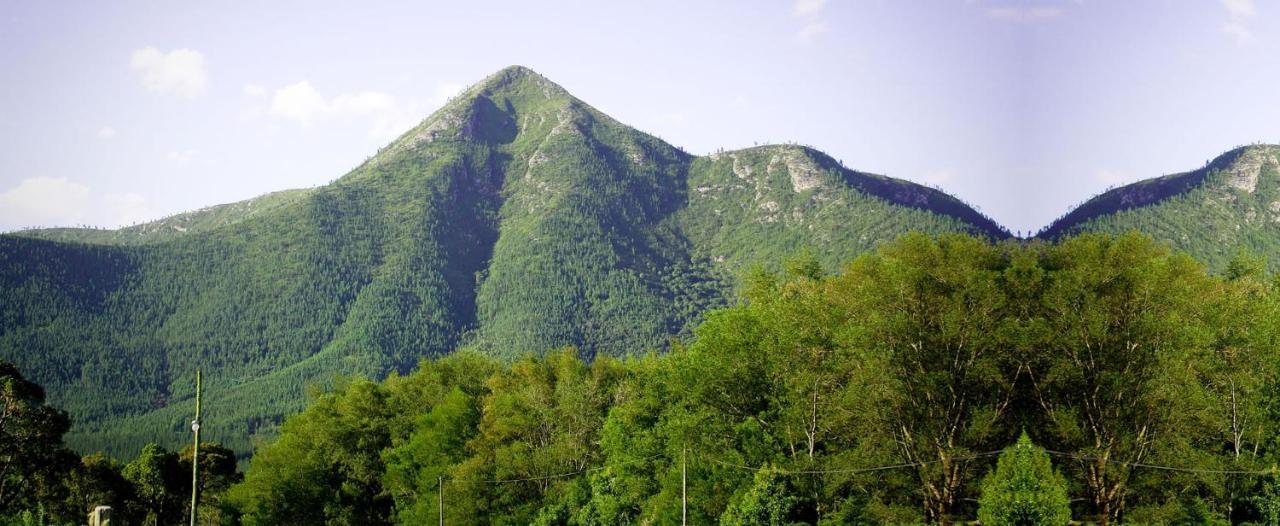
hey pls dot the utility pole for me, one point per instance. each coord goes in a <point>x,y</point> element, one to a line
<point>440,493</point>
<point>195,455</point>
<point>684,487</point>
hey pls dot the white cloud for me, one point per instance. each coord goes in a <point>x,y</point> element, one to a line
<point>811,31</point>
<point>301,102</point>
<point>57,201</point>
<point>180,72</point>
<point>44,201</point>
<point>125,209</point>
<point>254,90</point>
<point>181,156</point>
<point>304,104</point>
<point>445,91</point>
<point>808,7</point>
<point>810,13</point>
<point>1239,14</point>
<point>106,133</point>
<point>1023,14</point>
<point>1239,8</point>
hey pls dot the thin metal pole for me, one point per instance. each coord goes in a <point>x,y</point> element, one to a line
<point>440,491</point>
<point>684,487</point>
<point>195,455</point>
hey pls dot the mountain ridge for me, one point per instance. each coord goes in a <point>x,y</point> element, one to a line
<point>1232,203</point>
<point>515,219</point>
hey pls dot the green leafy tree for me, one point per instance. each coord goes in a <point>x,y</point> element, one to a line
<point>327,466</point>
<point>1024,490</point>
<point>33,459</point>
<point>1125,326</point>
<point>99,481</point>
<point>416,468</point>
<point>217,474</point>
<point>157,481</point>
<point>935,316</point>
<point>767,502</point>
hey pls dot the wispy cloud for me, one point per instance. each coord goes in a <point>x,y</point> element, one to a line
<point>1239,15</point>
<point>810,31</point>
<point>57,201</point>
<point>106,133</point>
<point>445,91</point>
<point>1023,14</point>
<point>810,14</point>
<point>808,7</point>
<point>302,103</point>
<point>180,72</point>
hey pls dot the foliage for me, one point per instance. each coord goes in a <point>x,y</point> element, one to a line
<point>1211,213</point>
<point>864,397</point>
<point>31,454</point>
<point>515,220</point>
<point>767,502</point>
<point>1024,489</point>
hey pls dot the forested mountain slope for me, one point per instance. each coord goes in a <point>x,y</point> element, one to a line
<point>1232,203</point>
<point>516,219</point>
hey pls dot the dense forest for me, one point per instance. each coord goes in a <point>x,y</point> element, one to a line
<point>515,219</point>
<point>934,380</point>
<point>1233,201</point>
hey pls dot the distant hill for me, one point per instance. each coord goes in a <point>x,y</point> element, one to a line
<point>174,226</point>
<point>1230,204</point>
<point>515,219</point>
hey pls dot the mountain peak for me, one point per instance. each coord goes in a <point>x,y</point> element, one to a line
<point>1244,165</point>
<point>513,89</point>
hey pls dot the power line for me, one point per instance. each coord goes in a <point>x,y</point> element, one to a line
<point>852,470</point>
<point>570,472</point>
<point>1165,468</point>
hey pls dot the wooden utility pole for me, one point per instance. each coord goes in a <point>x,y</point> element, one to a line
<point>195,455</point>
<point>440,494</point>
<point>684,487</point>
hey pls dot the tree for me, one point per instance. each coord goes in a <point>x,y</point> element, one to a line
<point>1125,326</point>
<point>417,467</point>
<point>1024,490</point>
<point>326,468</point>
<point>217,475</point>
<point>156,477</point>
<point>98,481</point>
<point>767,502</point>
<point>33,459</point>
<point>934,313</point>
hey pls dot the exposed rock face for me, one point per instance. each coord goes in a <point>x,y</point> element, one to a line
<point>1244,171</point>
<point>743,171</point>
<point>804,172</point>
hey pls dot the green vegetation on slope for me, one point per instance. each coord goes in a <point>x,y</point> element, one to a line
<point>882,394</point>
<point>879,395</point>
<point>1231,204</point>
<point>174,226</point>
<point>514,220</point>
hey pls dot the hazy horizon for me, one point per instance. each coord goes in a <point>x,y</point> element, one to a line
<point>127,113</point>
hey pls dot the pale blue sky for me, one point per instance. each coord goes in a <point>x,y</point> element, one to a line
<point>114,113</point>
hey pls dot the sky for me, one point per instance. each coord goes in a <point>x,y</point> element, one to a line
<point>115,113</point>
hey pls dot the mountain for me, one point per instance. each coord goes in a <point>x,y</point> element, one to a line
<point>1231,203</point>
<point>515,219</point>
<point>205,219</point>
